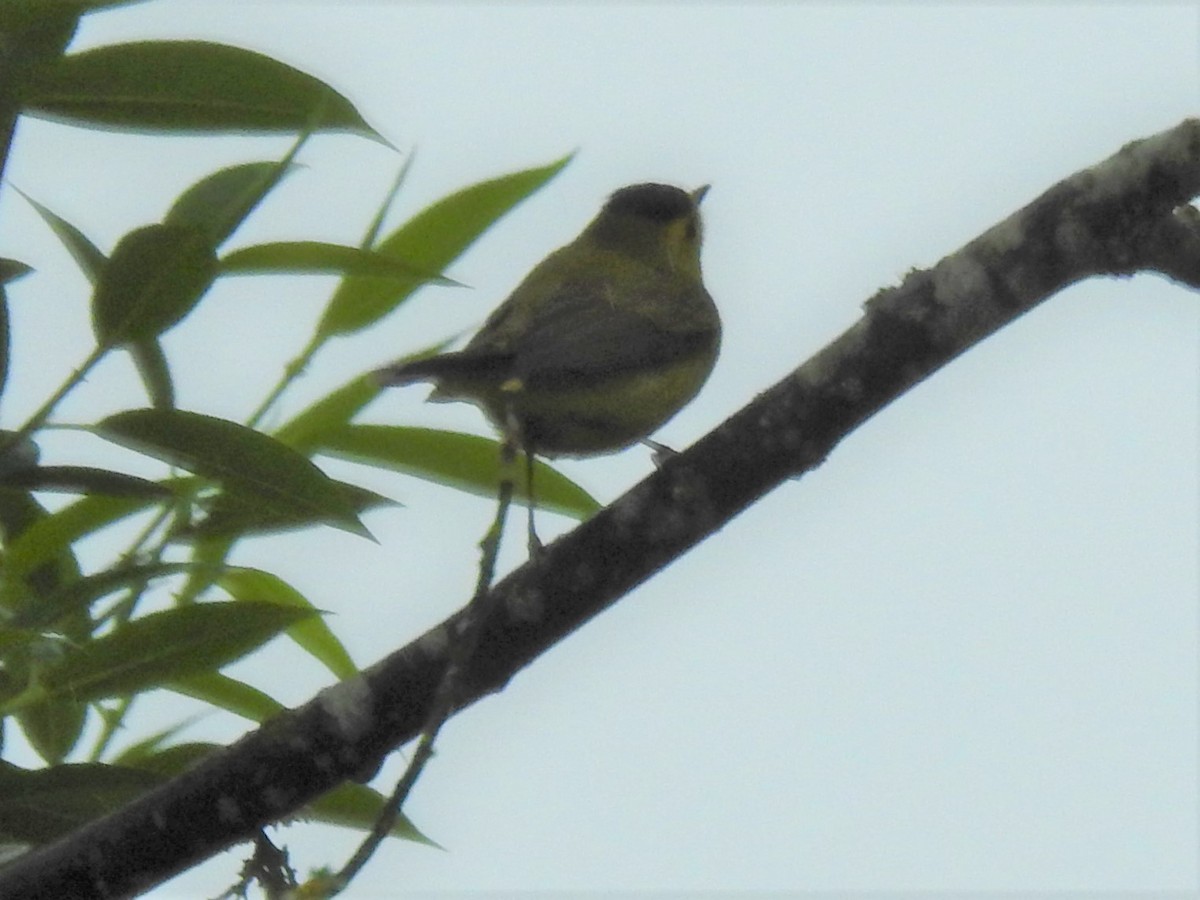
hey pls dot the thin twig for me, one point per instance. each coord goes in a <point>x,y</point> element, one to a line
<point>462,647</point>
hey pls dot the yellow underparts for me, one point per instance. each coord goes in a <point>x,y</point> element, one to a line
<point>602,417</point>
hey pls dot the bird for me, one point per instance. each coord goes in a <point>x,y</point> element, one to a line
<point>601,343</point>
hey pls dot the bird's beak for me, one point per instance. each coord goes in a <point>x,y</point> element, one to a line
<point>698,193</point>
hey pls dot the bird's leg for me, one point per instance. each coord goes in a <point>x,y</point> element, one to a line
<point>514,441</point>
<point>535,544</point>
<point>510,442</point>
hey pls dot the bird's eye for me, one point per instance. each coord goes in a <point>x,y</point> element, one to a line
<point>691,231</point>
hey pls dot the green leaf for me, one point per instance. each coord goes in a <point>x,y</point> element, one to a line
<point>231,514</point>
<point>229,694</point>
<point>53,729</point>
<point>166,760</point>
<point>35,31</point>
<point>155,277</point>
<point>53,534</point>
<point>431,240</point>
<point>12,269</point>
<point>336,409</point>
<point>285,483</point>
<point>161,647</point>
<point>74,596</point>
<point>186,86</point>
<point>84,480</point>
<point>332,411</point>
<point>86,254</point>
<point>372,235</point>
<point>155,372</point>
<point>312,634</point>
<point>463,461</point>
<point>37,806</point>
<point>19,513</point>
<point>208,555</point>
<point>320,257</point>
<point>220,202</point>
<point>138,754</point>
<point>359,807</point>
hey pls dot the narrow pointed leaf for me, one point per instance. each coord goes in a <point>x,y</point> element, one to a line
<point>285,483</point>
<point>87,255</point>
<point>320,257</point>
<point>330,412</point>
<point>168,759</point>
<point>209,556</point>
<point>187,86</point>
<point>85,480</point>
<point>58,530</point>
<point>164,646</point>
<point>19,513</point>
<point>463,461</point>
<point>228,694</point>
<point>137,754</point>
<point>234,514</point>
<point>12,269</point>
<point>372,235</point>
<point>431,240</point>
<point>336,409</point>
<point>359,807</point>
<point>218,203</point>
<point>155,277</point>
<point>75,596</point>
<point>313,634</point>
<point>53,729</point>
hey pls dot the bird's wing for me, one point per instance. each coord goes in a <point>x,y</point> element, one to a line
<point>581,335</point>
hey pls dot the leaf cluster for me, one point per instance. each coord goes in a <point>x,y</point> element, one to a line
<point>80,644</point>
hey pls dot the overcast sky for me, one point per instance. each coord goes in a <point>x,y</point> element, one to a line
<point>960,656</point>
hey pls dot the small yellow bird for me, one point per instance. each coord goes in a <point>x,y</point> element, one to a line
<point>606,339</point>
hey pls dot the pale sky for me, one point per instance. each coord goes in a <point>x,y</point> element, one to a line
<point>961,656</point>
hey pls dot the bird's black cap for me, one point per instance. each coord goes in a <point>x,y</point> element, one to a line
<point>658,202</point>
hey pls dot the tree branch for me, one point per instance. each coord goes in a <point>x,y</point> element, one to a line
<point>1124,215</point>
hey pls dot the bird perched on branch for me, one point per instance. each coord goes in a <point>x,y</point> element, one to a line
<point>606,339</point>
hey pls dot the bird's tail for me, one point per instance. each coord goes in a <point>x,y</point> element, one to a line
<point>468,366</point>
<point>408,372</point>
